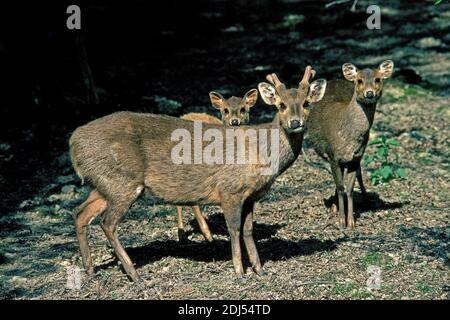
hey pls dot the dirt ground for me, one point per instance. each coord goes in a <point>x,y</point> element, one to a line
<point>403,229</point>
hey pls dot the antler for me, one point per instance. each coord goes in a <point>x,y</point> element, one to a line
<point>308,75</point>
<point>273,79</point>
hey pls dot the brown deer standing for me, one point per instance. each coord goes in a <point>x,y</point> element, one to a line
<point>234,112</point>
<point>339,126</point>
<point>124,153</point>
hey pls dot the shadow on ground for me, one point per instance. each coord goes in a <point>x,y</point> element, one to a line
<point>433,242</point>
<point>372,202</point>
<point>217,225</point>
<point>273,249</point>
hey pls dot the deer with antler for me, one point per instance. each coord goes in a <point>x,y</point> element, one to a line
<point>234,111</point>
<point>124,154</point>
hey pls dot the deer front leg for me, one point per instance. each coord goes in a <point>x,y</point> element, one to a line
<point>202,223</point>
<point>247,218</point>
<point>350,185</point>
<point>232,212</point>
<point>338,176</point>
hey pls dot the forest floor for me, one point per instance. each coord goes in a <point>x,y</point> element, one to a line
<point>403,229</point>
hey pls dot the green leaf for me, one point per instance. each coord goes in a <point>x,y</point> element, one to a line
<point>393,142</point>
<point>401,172</point>
<point>382,151</point>
<point>375,172</point>
<point>383,138</point>
<point>374,142</point>
<point>437,2</point>
<point>369,159</point>
<point>374,180</point>
<point>386,172</point>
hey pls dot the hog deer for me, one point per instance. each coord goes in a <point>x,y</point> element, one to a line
<point>339,126</point>
<point>125,153</point>
<point>234,112</point>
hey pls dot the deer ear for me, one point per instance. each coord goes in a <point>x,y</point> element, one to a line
<point>317,90</point>
<point>251,97</point>
<point>386,68</point>
<point>349,71</point>
<point>268,93</point>
<point>216,99</point>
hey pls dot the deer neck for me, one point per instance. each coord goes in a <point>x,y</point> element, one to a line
<point>363,110</point>
<point>290,145</point>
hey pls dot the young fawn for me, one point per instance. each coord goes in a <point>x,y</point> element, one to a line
<point>234,112</point>
<point>125,153</point>
<point>339,126</point>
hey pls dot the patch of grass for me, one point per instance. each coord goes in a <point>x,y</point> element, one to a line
<point>423,287</point>
<point>398,91</point>
<point>376,259</point>
<point>343,289</point>
<point>361,294</point>
<point>415,91</point>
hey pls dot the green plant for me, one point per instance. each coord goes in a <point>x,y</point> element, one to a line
<point>388,167</point>
<point>376,259</point>
<point>344,288</point>
<point>423,287</point>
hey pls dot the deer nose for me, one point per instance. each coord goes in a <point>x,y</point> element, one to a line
<point>370,94</point>
<point>234,122</point>
<point>295,124</point>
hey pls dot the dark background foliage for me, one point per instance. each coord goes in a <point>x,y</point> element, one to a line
<point>164,57</point>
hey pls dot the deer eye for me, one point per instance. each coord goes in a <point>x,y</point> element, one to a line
<point>282,107</point>
<point>360,81</point>
<point>242,110</point>
<point>377,80</point>
<point>226,111</point>
<point>306,105</point>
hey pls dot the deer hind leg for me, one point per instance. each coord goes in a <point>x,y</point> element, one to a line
<point>247,218</point>
<point>339,175</point>
<point>202,223</point>
<point>86,212</point>
<point>232,211</point>
<point>117,207</point>
<point>350,185</point>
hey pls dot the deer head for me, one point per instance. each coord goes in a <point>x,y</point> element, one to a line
<point>235,111</point>
<point>368,82</point>
<point>293,104</point>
